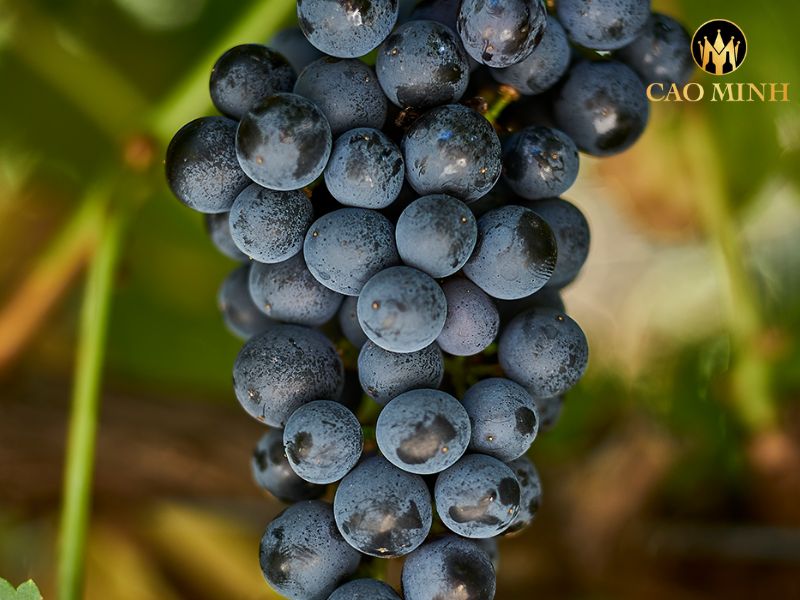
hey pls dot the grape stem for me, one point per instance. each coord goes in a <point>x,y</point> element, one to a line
<point>506,95</point>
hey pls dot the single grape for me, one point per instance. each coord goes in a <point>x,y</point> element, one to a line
<point>477,497</point>
<point>603,24</point>
<point>531,492</point>
<point>452,150</point>
<point>423,431</point>
<point>273,473</point>
<point>500,33</point>
<point>345,248</point>
<point>539,162</point>
<point>441,11</point>
<point>423,64</point>
<point>364,589</point>
<point>283,142</point>
<point>347,28</point>
<point>545,351</point>
<point>472,319</point>
<point>302,555</point>
<point>294,46</point>
<point>270,226</point>
<point>385,375</point>
<point>381,510</point>
<point>218,228</point>
<point>549,410</point>
<point>449,567</point>
<point>323,441</point>
<point>201,166</point>
<point>436,234</point>
<point>516,253</point>
<point>241,316</point>
<point>348,322</point>
<point>661,53</point>
<point>288,292</point>
<point>366,169</point>
<point>346,91</point>
<point>602,106</point>
<point>542,69</point>
<point>402,309</point>
<point>244,75</point>
<point>572,237</point>
<point>283,368</point>
<point>503,417</point>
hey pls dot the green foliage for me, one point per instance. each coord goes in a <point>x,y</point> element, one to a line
<point>26,591</point>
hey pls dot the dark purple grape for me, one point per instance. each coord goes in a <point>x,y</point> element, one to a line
<point>500,33</point>
<point>661,53</point>
<point>539,162</point>
<point>283,142</point>
<point>218,228</point>
<point>245,75</point>
<point>295,47</point>
<point>602,106</point>
<point>421,65</point>
<point>201,166</point>
<point>385,375</point>
<point>303,556</point>
<point>273,473</point>
<point>603,24</point>
<point>346,91</point>
<point>364,589</point>
<point>531,492</point>
<point>348,322</point>
<point>472,319</point>
<point>241,316</point>
<point>347,28</point>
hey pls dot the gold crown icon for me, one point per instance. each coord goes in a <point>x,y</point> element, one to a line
<point>719,53</point>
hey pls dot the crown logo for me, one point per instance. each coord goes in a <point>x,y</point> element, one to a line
<point>727,51</point>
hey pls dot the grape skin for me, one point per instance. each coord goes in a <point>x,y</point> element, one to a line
<point>383,511</point>
<point>345,248</point>
<point>503,418</point>
<point>241,316</point>
<point>452,150</point>
<point>449,567</point>
<point>661,53</point>
<point>323,441</point>
<point>573,237</point>
<point>385,375</point>
<point>269,226</point>
<point>283,368</point>
<point>346,91</point>
<point>549,410</point>
<point>288,292</point>
<point>500,33</point>
<point>603,24</point>
<point>540,162</point>
<point>364,589</point>
<point>365,170</point>
<point>531,493</point>
<point>273,473</point>
<point>516,253</point>
<point>436,234</point>
<point>302,555</point>
<point>423,431</point>
<point>478,497</point>
<point>348,322</point>
<point>346,28</point>
<point>544,67</point>
<point>472,319</point>
<point>402,309</point>
<point>421,65</point>
<point>544,351</point>
<point>245,75</point>
<point>602,106</point>
<point>284,142</point>
<point>201,165</point>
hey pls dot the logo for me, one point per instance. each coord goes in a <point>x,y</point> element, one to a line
<point>719,47</point>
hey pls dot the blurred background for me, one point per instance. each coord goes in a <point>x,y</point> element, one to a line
<point>674,471</point>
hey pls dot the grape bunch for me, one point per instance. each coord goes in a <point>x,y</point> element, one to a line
<point>403,243</point>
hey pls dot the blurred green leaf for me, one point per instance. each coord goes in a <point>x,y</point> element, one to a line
<point>26,591</point>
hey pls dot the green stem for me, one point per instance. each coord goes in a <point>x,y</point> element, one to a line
<point>750,377</point>
<point>506,95</point>
<point>85,402</point>
<point>189,98</point>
